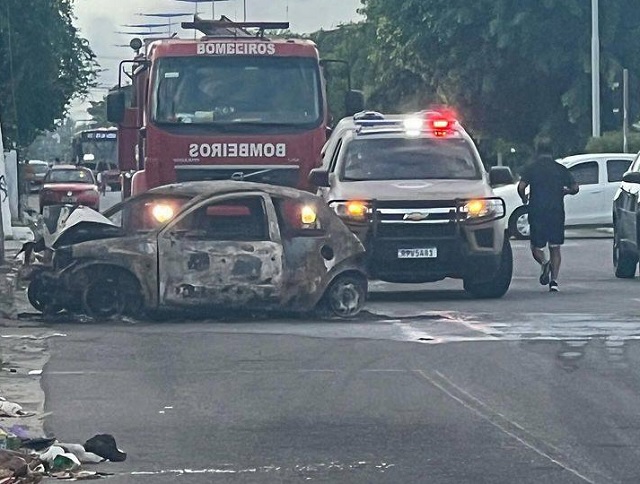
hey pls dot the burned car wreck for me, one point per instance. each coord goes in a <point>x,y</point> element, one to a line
<point>226,244</point>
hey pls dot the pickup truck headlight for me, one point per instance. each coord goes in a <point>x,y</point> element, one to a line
<point>483,209</point>
<point>352,210</point>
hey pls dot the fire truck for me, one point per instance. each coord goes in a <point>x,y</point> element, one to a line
<point>232,104</point>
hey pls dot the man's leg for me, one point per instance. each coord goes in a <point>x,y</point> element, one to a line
<point>556,259</point>
<point>539,238</point>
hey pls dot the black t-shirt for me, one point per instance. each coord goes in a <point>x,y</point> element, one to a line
<point>547,180</point>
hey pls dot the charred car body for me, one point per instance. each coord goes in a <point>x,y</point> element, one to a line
<point>203,244</point>
<point>414,190</point>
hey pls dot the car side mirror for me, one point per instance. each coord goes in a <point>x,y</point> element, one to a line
<point>354,102</point>
<point>319,177</point>
<point>115,106</point>
<point>632,177</point>
<point>500,175</point>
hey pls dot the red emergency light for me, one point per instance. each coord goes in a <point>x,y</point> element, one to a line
<point>440,123</point>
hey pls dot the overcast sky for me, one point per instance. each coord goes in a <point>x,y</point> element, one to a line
<point>99,20</point>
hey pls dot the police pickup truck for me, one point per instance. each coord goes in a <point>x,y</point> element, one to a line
<point>414,190</point>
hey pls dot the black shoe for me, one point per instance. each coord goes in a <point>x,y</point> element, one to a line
<point>553,287</point>
<point>544,275</point>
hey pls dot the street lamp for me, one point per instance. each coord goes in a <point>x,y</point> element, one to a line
<point>595,69</point>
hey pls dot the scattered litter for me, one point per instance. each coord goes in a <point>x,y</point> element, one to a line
<point>10,409</point>
<point>161,412</point>
<point>81,453</point>
<point>35,372</point>
<point>38,444</point>
<point>105,446</point>
<point>168,408</point>
<point>65,462</point>
<point>16,465</point>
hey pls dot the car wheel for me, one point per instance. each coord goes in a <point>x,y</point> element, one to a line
<point>346,296</point>
<point>625,263</point>
<point>40,296</point>
<point>111,294</point>
<point>498,285</point>
<point>519,223</point>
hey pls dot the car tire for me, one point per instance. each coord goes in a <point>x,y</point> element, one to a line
<point>625,263</point>
<point>345,297</point>
<point>40,296</point>
<point>111,294</point>
<point>497,286</point>
<point>519,223</point>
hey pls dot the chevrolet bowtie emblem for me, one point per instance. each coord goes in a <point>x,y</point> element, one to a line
<point>416,216</point>
<point>69,194</point>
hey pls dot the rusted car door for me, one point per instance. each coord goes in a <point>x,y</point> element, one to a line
<point>224,251</point>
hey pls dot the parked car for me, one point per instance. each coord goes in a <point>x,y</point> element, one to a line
<point>599,176</point>
<point>69,185</point>
<point>626,232</point>
<point>204,244</point>
<point>106,172</point>
<point>38,169</point>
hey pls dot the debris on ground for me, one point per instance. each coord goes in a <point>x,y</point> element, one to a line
<point>10,409</point>
<point>33,459</point>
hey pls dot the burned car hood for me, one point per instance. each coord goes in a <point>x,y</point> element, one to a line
<point>73,225</point>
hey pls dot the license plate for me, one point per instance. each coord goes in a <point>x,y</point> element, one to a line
<point>69,199</point>
<point>427,253</point>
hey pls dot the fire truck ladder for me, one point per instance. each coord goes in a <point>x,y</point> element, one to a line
<point>227,28</point>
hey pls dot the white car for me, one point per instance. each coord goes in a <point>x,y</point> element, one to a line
<point>599,176</point>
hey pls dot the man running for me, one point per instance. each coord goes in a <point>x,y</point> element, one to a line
<point>548,183</point>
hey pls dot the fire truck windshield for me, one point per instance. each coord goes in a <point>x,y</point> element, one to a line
<point>237,90</point>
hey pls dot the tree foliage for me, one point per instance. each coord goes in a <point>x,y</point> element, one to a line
<point>513,69</point>
<point>44,63</point>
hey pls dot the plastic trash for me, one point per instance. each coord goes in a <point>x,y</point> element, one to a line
<point>65,462</point>
<point>105,446</point>
<point>51,453</point>
<point>81,453</point>
<point>38,444</point>
<point>10,409</point>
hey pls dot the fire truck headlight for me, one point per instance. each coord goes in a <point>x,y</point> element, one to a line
<point>162,212</point>
<point>308,215</point>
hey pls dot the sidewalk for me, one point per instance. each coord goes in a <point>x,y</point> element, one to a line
<point>9,271</point>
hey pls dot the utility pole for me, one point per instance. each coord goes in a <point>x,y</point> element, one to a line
<point>595,69</point>
<point>625,111</point>
<point>245,10</point>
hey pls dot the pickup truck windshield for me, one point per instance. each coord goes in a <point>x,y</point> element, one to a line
<point>409,159</point>
<point>237,90</point>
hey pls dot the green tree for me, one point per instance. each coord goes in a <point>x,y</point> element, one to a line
<point>44,63</point>
<point>98,112</point>
<point>513,69</point>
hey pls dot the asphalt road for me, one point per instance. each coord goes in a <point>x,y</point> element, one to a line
<point>430,386</point>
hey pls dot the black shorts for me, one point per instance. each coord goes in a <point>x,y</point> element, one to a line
<point>546,228</point>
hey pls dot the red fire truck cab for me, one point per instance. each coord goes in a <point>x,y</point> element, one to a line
<point>230,105</point>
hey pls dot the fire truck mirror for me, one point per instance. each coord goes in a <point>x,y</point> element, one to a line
<point>115,106</point>
<point>354,102</point>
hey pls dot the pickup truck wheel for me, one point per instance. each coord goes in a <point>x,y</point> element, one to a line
<point>625,263</point>
<point>519,223</point>
<point>499,284</point>
<point>346,296</point>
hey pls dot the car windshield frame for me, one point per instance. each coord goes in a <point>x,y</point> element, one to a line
<point>391,163</point>
<point>181,79</point>
<point>49,178</point>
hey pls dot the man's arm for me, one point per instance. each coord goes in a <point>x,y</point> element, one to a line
<point>522,191</point>
<point>571,187</point>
